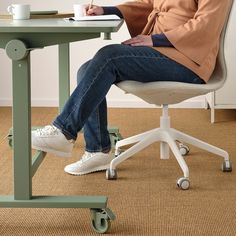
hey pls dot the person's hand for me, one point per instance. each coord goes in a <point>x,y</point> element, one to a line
<point>140,40</point>
<point>94,10</point>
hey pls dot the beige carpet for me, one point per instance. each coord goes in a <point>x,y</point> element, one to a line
<point>145,198</point>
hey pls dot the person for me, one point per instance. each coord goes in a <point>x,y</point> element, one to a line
<point>171,40</point>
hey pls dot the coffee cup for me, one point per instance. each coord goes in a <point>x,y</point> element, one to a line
<point>79,10</point>
<point>19,11</point>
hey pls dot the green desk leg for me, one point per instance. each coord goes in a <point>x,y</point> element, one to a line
<point>21,130</point>
<point>64,74</point>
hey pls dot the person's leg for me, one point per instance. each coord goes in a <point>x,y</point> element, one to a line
<point>96,134</point>
<point>95,130</point>
<point>97,139</point>
<point>110,65</point>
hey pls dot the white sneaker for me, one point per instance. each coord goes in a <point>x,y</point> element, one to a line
<point>51,139</point>
<point>90,162</point>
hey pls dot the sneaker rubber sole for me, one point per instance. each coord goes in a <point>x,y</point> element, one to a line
<point>57,153</point>
<point>99,168</point>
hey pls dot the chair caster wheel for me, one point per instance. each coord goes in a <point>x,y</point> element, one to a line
<point>226,166</point>
<point>183,183</point>
<point>184,149</point>
<point>111,175</point>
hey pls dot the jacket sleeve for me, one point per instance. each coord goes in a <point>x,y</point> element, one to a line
<point>136,15</point>
<point>112,11</point>
<point>197,37</point>
<point>160,40</point>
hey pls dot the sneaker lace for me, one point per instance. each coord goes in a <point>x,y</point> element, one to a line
<point>48,130</point>
<point>86,156</point>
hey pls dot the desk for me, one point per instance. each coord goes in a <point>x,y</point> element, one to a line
<point>19,38</point>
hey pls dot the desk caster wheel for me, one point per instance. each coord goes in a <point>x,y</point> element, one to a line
<point>101,220</point>
<point>184,149</point>
<point>10,143</point>
<point>226,166</point>
<point>10,138</point>
<point>102,226</point>
<point>183,183</point>
<point>111,175</point>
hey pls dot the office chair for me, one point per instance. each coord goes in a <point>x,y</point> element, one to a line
<point>165,93</point>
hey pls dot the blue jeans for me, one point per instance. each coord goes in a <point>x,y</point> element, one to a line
<point>86,108</point>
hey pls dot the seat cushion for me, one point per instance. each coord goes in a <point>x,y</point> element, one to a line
<point>163,92</point>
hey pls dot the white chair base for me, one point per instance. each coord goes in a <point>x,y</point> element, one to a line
<point>167,137</point>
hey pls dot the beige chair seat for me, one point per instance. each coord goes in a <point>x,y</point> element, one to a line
<point>165,92</point>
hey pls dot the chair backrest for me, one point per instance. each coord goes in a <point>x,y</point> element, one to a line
<point>219,74</point>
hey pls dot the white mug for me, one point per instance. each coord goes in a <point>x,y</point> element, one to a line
<point>79,10</point>
<point>19,11</point>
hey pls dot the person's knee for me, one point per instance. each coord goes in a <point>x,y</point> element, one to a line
<point>81,71</point>
<point>108,52</point>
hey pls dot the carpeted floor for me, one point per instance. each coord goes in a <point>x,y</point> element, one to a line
<point>145,198</point>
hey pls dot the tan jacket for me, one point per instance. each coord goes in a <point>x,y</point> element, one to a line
<point>192,26</point>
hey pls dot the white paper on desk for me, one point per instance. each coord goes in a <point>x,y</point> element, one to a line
<point>96,18</point>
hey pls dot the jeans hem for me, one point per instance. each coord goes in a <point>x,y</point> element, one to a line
<point>65,132</point>
<point>105,149</point>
